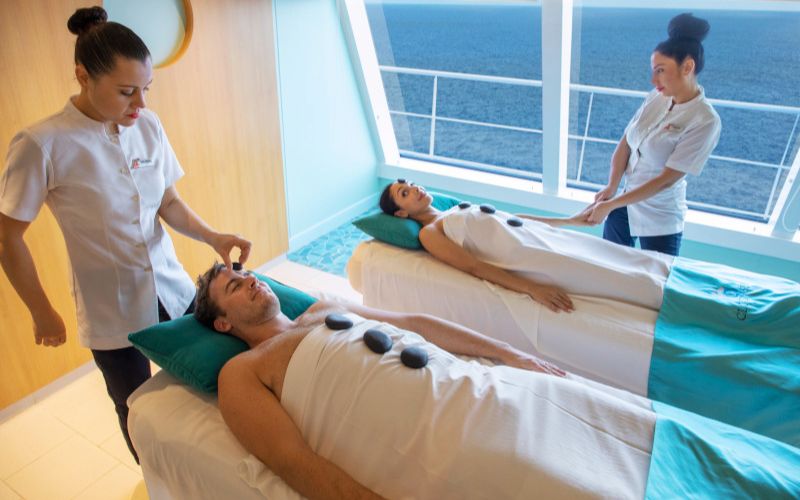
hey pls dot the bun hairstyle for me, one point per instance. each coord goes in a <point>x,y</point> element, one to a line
<point>101,41</point>
<point>686,34</point>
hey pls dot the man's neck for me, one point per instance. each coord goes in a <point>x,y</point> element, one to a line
<point>254,335</point>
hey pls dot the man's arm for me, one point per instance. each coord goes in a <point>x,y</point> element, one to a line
<point>457,339</point>
<point>262,426</point>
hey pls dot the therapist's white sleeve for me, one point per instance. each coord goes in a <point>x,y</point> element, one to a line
<point>171,168</point>
<point>694,148</point>
<point>26,179</point>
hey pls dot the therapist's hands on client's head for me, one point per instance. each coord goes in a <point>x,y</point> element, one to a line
<point>223,244</point>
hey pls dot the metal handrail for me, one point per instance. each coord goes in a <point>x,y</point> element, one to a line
<point>585,137</point>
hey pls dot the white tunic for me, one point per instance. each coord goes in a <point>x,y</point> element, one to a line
<point>577,262</point>
<point>680,138</point>
<point>105,191</point>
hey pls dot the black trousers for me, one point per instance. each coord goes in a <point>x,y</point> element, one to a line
<point>124,370</point>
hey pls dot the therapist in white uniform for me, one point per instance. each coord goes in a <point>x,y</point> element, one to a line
<point>104,167</point>
<point>671,135</point>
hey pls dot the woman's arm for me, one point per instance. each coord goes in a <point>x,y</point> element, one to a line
<point>183,219</point>
<point>16,260</point>
<point>579,219</point>
<point>437,244</point>
<point>619,162</point>
<point>665,179</point>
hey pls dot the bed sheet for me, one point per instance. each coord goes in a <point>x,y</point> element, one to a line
<point>185,448</point>
<point>607,341</point>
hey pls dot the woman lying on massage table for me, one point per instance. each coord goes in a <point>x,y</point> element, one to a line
<point>715,330</point>
<point>531,256</point>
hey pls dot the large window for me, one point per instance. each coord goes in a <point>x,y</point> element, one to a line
<point>463,85</point>
<point>463,81</point>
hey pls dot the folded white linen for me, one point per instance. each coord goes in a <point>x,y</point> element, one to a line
<point>578,262</point>
<point>458,429</point>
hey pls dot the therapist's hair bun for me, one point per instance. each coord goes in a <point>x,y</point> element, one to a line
<point>85,19</point>
<point>687,26</point>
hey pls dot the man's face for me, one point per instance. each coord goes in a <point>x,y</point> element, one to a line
<point>245,300</point>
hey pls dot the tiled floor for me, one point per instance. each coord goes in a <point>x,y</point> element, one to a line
<point>68,445</point>
<point>330,252</point>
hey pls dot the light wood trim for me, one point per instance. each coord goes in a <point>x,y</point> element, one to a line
<point>219,106</point>
<point>188,17</point>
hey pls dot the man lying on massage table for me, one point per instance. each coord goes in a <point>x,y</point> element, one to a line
<point>341,405</point>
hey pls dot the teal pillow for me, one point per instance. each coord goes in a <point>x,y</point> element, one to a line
<point>397,231</point>
<point>195,354</point>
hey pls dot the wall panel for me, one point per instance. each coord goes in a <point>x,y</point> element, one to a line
<point>218,104</point>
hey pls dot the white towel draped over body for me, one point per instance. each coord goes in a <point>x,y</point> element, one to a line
<point>459,429</point>
<point>577,262</point>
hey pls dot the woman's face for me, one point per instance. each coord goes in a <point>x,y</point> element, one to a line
<point>410,197</point>
<point>117,96</point>
<point>669,77</point>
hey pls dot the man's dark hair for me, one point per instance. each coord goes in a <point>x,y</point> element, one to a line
<point>100,41</point>
<point>205,309</point>
<point>386,202</point>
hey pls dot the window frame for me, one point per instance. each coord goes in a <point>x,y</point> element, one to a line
<point>551,194</point>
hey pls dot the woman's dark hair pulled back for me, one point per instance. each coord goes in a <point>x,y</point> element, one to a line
<point>100,41</point>
<point>686,34</point>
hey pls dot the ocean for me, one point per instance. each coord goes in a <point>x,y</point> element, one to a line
<point>751,56</point>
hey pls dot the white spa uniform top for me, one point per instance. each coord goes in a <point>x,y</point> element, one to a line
<point>105,191</point>
<point>682,139</point>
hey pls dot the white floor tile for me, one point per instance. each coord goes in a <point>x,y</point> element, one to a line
<point>117,448</point>
<point>63,472</point>
<point>119,484</point>
<point>85,407</point>
<point>6,493</point>
<point>27,436</point>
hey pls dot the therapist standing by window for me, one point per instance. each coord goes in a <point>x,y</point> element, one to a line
<point>104,167</point>
<point>672,134</point>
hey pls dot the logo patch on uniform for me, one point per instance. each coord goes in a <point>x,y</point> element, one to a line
<point>140,162</point>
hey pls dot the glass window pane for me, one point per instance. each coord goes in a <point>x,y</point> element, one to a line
<point>479,121</point>
<point>751,57</point>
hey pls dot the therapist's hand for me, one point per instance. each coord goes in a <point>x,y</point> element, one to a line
<point>600,212</point>
<point>49,329</point>
<point>223,244</point>
<point>606,193</point>
<point>525,361</point>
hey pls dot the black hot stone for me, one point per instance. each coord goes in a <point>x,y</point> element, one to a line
<point>237,266</point>
<point>464,204</point>
<point>401,181</point>
<point>414,357</point>
<point>487,209</point>
<point>377,341</point>
<point>514,222</point>
<point>337,322</point>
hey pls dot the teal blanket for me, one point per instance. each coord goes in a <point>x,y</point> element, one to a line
<point>696,457</point>
<point>727,346</point>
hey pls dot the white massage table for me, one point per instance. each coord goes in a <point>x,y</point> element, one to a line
<point>607,341</point>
